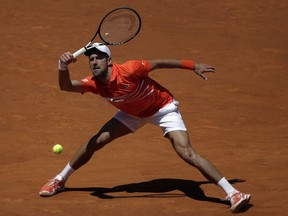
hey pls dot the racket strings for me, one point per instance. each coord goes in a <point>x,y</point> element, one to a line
<point>120,26</point>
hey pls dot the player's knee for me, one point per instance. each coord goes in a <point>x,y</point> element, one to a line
<point>98,141</point>
<point>190,157</point>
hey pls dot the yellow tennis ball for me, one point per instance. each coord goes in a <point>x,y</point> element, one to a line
<point>57,149</point>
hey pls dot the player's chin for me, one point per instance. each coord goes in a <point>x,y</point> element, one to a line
<point>96,72</point>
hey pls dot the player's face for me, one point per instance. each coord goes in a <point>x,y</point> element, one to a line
<point>99,64</point>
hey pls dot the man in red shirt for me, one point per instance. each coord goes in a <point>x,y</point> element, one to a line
<point>140,100</point>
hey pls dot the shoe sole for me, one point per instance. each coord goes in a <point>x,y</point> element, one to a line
<point>49,194</point>
<point>243,204</point>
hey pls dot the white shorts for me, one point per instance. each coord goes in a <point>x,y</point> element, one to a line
<point>168,118</point>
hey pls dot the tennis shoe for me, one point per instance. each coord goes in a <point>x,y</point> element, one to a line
<point>52,187</point>
<point>239,201</point>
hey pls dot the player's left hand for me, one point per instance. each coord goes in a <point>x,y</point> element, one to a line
<point>200,69</point>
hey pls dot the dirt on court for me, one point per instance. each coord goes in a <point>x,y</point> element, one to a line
<point>238,118</point>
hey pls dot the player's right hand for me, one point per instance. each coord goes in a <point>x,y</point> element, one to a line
<point>67,58</point>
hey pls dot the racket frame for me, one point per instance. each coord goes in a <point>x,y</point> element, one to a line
<point>84,49</point>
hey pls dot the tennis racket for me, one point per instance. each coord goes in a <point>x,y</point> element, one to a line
<point>118,27</point>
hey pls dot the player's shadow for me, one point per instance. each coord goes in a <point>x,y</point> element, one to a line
<point>158,188</point>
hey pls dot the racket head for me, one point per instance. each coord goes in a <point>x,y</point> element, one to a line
<point>119,26</point>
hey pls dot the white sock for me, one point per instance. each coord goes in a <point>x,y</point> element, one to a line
<point>226,186</point>
<point>66,172</point>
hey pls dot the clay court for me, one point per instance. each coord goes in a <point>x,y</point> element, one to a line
<point>238,118</point>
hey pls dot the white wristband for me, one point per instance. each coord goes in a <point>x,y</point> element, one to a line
<point>62,66</point>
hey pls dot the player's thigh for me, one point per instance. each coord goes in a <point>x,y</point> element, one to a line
<point>113,129</point>
<point>181,142</point>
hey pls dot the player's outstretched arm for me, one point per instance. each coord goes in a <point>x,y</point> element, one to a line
<point>199,69</point>
<point>65,83</point>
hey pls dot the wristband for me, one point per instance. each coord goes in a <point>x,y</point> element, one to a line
<point>187,64</point>
<point>62,66</point>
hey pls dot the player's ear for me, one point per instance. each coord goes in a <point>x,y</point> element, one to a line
<point>109,60</point>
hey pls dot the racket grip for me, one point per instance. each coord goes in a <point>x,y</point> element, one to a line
<point>79,52</point>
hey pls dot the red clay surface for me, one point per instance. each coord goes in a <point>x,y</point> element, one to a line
<point>237,119</point>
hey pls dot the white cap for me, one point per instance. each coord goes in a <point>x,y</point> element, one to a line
<point>100,47</point>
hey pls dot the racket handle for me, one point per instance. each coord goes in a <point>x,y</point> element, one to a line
<point>79,52</point>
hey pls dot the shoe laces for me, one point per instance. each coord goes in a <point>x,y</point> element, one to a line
<point>53,182</point>
<point>230,196</point>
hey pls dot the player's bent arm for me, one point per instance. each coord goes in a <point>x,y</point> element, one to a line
<point>66,84</point>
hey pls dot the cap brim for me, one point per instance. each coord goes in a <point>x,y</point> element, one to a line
<point>93,50</point>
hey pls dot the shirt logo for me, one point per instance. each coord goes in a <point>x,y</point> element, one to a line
<point>85,80</point>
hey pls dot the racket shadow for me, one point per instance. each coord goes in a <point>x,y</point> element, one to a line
<point>157,188</point>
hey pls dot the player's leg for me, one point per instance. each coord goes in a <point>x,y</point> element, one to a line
<point>183,148</point>
<point>181,144</point>
<point>111,130</point>
<point>171,122</point>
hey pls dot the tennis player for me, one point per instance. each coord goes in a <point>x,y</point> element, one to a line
<point>140,100</point>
